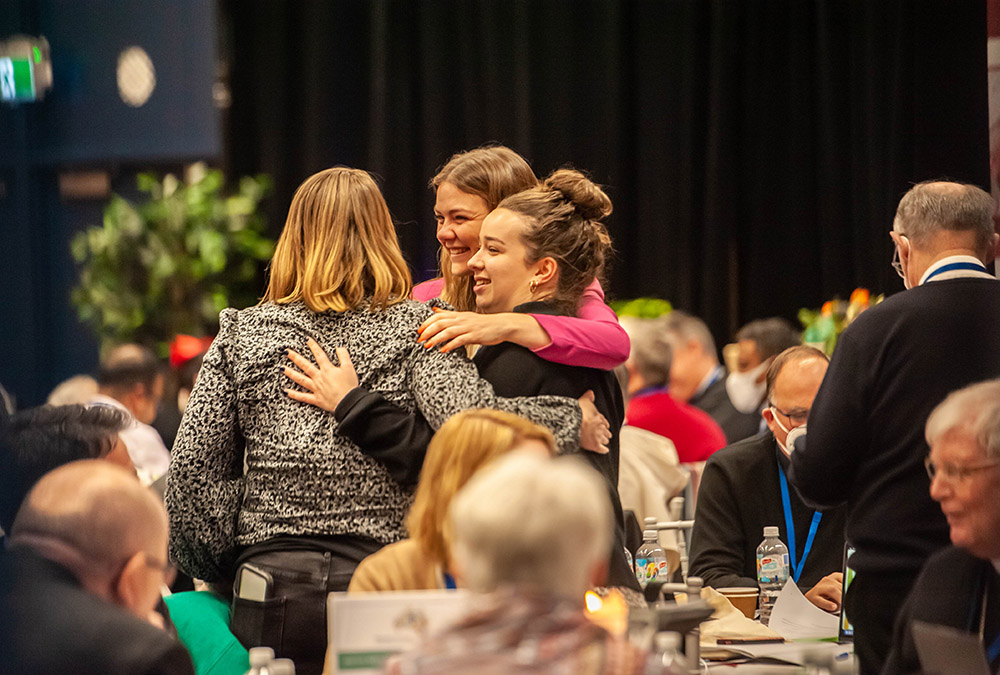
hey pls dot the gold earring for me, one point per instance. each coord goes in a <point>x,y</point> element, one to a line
<point>532,286</point>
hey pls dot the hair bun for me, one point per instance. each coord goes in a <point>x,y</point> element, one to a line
<point>587,197</point>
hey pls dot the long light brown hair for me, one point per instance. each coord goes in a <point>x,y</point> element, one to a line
<point>463,444</point>
<point>338,246</point>
<point>491,173</point>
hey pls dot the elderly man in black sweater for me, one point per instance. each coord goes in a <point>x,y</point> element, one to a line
<point>744,489</point>
<point>892,365</point>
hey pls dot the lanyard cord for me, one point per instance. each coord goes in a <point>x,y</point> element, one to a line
<point>951,267</point>
<point>993,651</point>
<point>786,502</point>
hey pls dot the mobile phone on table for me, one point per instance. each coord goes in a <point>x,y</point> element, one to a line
<point>253,583</point>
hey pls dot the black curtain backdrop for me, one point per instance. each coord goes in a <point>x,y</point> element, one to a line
<point>754,151</point>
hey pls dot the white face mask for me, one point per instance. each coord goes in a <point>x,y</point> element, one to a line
<point>790,434</point>
<point>744,391</point>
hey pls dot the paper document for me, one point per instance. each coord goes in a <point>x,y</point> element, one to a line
<point>795,618</point>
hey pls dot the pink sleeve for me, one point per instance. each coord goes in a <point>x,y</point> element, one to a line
<point>593,340</point>
<point>429,289</point>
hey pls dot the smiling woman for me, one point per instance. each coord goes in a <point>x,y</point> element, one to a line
<point>964,436</point>
<point>467,188</point>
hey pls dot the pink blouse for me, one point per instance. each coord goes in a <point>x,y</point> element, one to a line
<point>594,339</point>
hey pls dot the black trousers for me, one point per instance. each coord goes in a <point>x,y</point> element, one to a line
<point>292,619</point>
<point>872,603</point>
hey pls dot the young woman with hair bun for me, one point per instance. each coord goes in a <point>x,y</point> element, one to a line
<point>467,188</point>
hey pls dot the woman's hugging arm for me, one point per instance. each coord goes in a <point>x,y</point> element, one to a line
<point>594,339</point>
<point>382,430</point>
<point>446,383</point>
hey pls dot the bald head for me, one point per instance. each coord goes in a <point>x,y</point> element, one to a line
<point>91,516</point>
<point>793,379</point>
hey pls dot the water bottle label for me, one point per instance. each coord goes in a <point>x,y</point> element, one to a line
<point>772,569</point>
<point>648,569</point>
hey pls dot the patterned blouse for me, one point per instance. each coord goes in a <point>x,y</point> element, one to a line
<point>519,630</point>
<point>301,476</point>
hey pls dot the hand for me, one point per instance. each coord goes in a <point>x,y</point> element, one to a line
<point>450,330</point>
<point>326,384</point>
<point>826,593</point>
<point>595,432</point>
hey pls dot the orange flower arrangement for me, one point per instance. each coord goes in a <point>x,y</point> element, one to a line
<point>822,328</point>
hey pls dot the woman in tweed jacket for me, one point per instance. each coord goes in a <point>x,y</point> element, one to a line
<point>256,478</point>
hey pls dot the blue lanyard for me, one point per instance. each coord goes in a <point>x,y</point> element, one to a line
<point>449,581</point>
<point>994,651</point>
<point>951,267</point>
<point>786,502</point>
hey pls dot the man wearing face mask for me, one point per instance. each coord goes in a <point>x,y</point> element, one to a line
<point>892,365</point>
<point>758,343</point>
<point>745,488</point>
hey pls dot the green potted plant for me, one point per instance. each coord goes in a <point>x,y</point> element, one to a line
<point>644,308</point>
<point>168,265</point>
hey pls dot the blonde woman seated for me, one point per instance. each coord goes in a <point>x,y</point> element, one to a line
<point>463,444</point>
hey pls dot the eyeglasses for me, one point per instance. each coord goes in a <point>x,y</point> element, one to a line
<point>796,417</point>
<point>896,265</point>
<point>955,472</point>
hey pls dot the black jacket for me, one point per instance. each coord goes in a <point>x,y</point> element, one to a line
<point>948,592</point>
<point>866,446</point>
<point>50,624</point>
<point>739,496</point>
<point>514,370</point>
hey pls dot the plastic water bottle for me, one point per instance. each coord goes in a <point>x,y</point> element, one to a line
<point>650,560</point>
<point>772,571</point>
<point>260,659</point>
<point>281,667</point>
<point>667,646</point>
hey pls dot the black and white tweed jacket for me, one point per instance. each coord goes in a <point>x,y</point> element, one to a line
<point>302,477</point>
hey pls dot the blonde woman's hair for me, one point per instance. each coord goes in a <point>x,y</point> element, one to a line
<point>463,444</point>
<point>492,173</point>
<point>338,247</point>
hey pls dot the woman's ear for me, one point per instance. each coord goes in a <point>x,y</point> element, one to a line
<point>547,270</point>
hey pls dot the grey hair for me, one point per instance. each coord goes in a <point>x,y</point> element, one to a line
<point>651,353</point>
<point>528,520</point>
<point>974,410</point>
<point>686,327</point>
<point>932,206</point>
